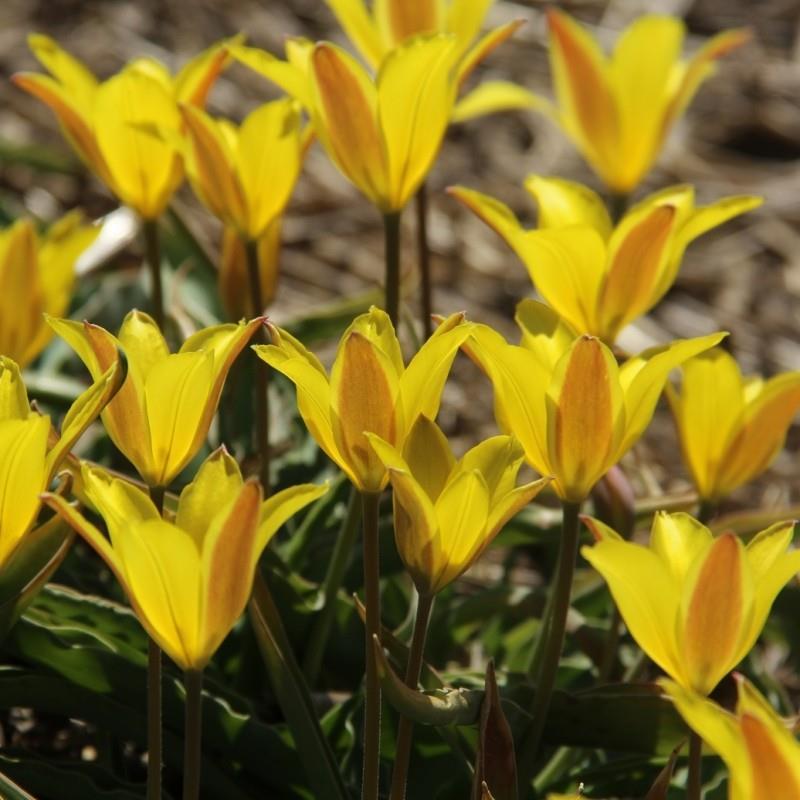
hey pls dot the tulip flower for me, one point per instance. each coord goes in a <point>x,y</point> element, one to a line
<point>575,412</point>
<point>694,603</point>
<point>161,416</point>
<point>37,273</point>
<point>111,125</point>
<point>447,512</point>
<point>730,428</point>
<point>756,745</point>
<point>618,110</point>
<point>597,276</point>
<point>188,580</point>
<point>369,389</point>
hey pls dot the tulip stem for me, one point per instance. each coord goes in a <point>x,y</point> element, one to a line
<point>556,628</point>
<point>330,588</point>
<point>262,370</point>
<point>372,704</point>
<point>694,780</point>
<point>391,230</point>
<point>405,728</point>
<point>617,206</point>
<point>154,746</point>
<point>152,246</point>
<point>193,737</point>
<point>424,256</point>
<point>707,511</point>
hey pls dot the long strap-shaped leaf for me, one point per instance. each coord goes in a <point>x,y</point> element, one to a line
<point>292,694</point>
<point>10,791</point>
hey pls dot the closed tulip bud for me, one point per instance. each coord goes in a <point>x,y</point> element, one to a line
<point>619,109</point>
<point>600,277</point>
<point>447,512</point>
<point>188,580</point>
<point>573,409</point>
<point>37,272</point>
<point>694,603</point>
<point>369,389</point>
<point>731,428</point>
<point>757,746</point>
<point>111,124</point>
<point>161,416</point>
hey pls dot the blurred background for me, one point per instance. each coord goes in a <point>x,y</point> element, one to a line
<point>741,135</point>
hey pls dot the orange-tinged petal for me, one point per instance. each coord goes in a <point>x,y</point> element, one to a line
<point>716,609</point>
<point>584,417</point>
<point>71,73</point>
<point>774,777</point>
<point>398,20</point>
<point>634,265</point>
<point>485,46</point>
<point>498,216</point>
<point>359,27</point>
<point>196,77</point>
<point>345,116</point>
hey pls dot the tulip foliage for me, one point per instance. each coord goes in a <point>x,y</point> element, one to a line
<point>248,557</point>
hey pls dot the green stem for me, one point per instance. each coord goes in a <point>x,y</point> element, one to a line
<point>391,230</point>
<point>617,206</point>
<point>372,596</point>
<point>340,557</point>
<point>424,256</point>
<point>193,737</point>
<point>262,370</point>
<point>694,781</point>
<point>405,728</point>
<point>154,745</point>
<point>609,659</point>
<point>152,247</point>
<point>556,628</point>
<point>706,511</point>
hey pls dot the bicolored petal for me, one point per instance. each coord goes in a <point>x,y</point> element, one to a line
<point>360,28</point>
<point>196,77</point>
<point>484,47</point>
<point>398,20</point>
<point>490,97</point>
<point>277,509</point>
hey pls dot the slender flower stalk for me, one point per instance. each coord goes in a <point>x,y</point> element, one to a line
<point>694,779</point>
<point>193,735</point>
<point>424,260</point>
<point>391,227</point>
<point>405,729</point>
<point>152,246</point>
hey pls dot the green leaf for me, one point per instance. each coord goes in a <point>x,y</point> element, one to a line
<point>10,790</point>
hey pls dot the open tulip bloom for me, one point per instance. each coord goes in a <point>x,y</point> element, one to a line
<point>161,416</point>
<point>447,512</point>
<point>188,580</point>
<point>757,746</point>
<point>598,276</point>
<point>111,125</point>
<point>618,110</point>
<point>573,409</point>
<point>693,602</point>
<point>731,428</point>
<point>37,272</point>
<point>369,390</point>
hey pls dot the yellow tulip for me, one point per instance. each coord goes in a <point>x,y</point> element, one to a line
<point>731,428</point>
<point>245,175</point>
<point>618,110</point>
<point>600,277</point>
<point>694,603</point>
<point>188,580</point>
<point>31,452</point>
<point>382,133</point>
<point>447,512</point>
<point>112,125</point>
<point>755,743</point>
<point>369,388</point>
<point>575,412</point>
<point>161,416</point>
<point>37,273</point>
<point>234,282</point>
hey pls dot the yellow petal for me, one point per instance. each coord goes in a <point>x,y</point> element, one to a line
<point>22,477</point>
<point>71,73</point>
<point>427,455</point>
<point>585,419</point>
<point>505,507</point>
<point>715,610</point>
<point>643,377</point>
<point>465,18</point>
<point>282,505</point>
<point>287,75</point>
<point>398,20</point>
<point>708,411</point>
<point>564,203</point>
<point>544,333</point>
<point>13,394</point>
<point>344,108</point>
<point>490,97</point>
<point>585,96</point>
<point>644,593</point>
<point>415,95</point>
<point>678,540</point>
<point>359,28</point>
<point>196,77</point>
<point>498,216</point>
<point>498,460</point>
<point>145,169</point>
<point>377,328</point>
<point>269,154</point>
<point>485,46</point>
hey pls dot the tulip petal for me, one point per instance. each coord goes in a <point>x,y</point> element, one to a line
<point>643,377</point>
<point>498,216</point>
<point>284,74</point>
<point>498,459</point>
<point>678,540</point>
<point>359,28</point>
<point>716,608</point>
<point>282,505</point>
<point>491,97</point>
<point>564,203</point>
<point>484,47</point>
<point>196,77</point>
<point>415,96</point>
<point>13,394</point>
<point>376,326</point>
<point>344,107</point>
<point>504,508</point>
<point>427,455</point>
<point>398,20</point>
<point>465,18</point>
<point>544,333</point>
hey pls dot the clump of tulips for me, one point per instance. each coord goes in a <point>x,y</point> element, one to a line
<point>196,535</point>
